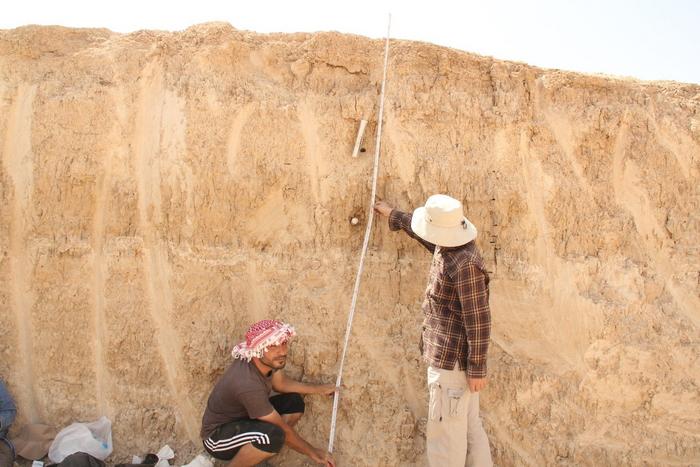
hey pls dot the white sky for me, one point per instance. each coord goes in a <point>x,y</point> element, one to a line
<point>645,39</point>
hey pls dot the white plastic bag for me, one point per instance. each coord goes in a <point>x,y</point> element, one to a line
<point>164,455</point>
<point>94,438</point>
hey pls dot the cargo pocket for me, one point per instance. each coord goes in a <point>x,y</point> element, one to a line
<point>435,402</point>
<point>454,398</point>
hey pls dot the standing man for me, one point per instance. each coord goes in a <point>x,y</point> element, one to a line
<point>242,423</point>
<point>456,329</point>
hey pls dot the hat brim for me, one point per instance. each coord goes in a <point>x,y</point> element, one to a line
<point>442,236</point>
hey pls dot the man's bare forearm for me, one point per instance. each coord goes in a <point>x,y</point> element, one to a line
<point>296,442</point>
<point>291,437</point>
<point>281,383</point>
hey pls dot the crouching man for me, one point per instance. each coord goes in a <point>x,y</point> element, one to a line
<point>242,423</point>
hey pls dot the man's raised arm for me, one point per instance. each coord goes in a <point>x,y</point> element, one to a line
<point>400,221</point>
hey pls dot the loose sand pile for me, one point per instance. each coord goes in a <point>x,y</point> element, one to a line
<point>159,191</point>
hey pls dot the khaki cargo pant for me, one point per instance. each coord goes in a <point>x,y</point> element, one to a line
<point>454,433</point>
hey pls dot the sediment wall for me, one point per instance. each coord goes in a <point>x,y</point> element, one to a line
<point>159,191</point>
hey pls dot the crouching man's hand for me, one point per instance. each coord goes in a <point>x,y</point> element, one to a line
<point>328,389</point>
<point>322,457</point>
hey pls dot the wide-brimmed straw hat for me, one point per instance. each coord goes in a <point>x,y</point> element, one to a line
<point>262,335</point>
<point>442,222</point>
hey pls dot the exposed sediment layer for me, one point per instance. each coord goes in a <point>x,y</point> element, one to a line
<point>160,191</point>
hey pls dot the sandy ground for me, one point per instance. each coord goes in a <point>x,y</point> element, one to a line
<point>160,191</point>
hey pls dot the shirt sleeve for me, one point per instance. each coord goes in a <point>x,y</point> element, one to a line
<point>402,221</point>
<point>256,403</point>
<point>472,288</point>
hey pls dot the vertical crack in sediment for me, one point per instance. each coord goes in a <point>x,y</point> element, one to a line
<point>631,194</point>
<point>315,159</point>
<point>149,132</point>
<point>17,159</point>
<point>235,135</point>
<point>102,375</point>
<point>99,268</point>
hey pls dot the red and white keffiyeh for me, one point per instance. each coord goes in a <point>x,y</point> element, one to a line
<point>262,335</point>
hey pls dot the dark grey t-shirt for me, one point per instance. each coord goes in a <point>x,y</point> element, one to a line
<point>241,392</point>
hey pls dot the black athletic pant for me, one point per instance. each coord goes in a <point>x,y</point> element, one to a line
<point>227,439</point>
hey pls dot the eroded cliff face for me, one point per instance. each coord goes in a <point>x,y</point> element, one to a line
<point>160,191</point>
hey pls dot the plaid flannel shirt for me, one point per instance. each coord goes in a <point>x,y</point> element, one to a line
<point>457,323</point>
